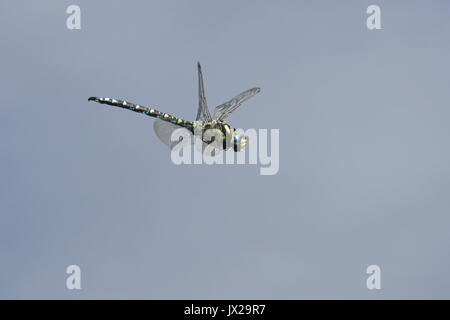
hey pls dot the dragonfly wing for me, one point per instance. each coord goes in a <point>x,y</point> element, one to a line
<point>164,131</point>
<point>202,112</point>
<point>224,110</point>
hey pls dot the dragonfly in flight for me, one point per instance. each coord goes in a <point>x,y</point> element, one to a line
<point>209,127</point>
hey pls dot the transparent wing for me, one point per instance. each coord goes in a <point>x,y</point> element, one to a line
<point>202,112</point>
<point>164,131</point>
<point>224,110</point>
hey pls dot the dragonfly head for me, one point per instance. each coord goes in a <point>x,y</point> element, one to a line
<point>239,141</point>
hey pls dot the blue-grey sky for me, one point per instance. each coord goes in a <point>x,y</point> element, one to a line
<point>364,155</point>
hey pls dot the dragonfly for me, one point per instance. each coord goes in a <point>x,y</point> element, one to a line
<point>207,127</point>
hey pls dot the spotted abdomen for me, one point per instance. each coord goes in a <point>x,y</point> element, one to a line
<point>147,111</point>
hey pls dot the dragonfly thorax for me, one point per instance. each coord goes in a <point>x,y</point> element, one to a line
<point>222,135</point>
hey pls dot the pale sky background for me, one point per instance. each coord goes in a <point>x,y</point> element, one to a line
<point>364,150</point>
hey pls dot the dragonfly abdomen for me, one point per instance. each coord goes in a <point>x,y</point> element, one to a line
<point>147,111</point>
